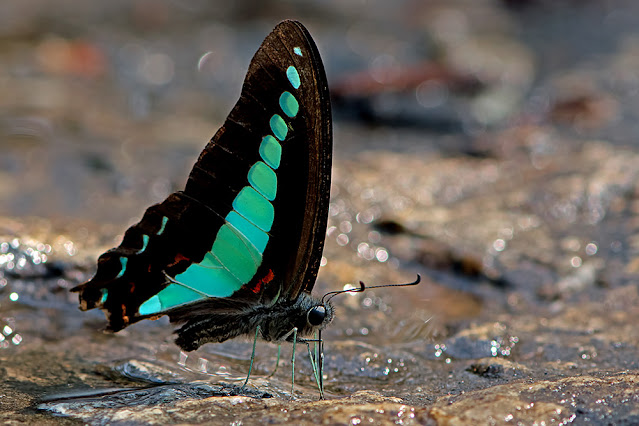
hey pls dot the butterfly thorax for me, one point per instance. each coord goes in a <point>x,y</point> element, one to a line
<point>276,322</point>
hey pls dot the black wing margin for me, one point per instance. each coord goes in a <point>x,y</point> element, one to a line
<point>305,178</point>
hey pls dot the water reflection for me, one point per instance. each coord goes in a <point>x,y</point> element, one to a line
<point>9,336</point>
<point>24,265</point>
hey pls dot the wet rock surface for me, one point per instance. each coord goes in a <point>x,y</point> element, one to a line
<point>490,148</point>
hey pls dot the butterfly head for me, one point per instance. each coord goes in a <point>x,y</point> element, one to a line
<point>315,314</point>
<point>307,314</point>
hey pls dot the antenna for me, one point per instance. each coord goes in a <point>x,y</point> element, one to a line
<point>331,294</point>
<point>363,287</point>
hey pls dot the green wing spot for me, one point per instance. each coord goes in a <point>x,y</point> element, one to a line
<point>278,126</point>
<point>263,179</point>
<point>237,254</point>
<point>172,296</point>
<point>151,306</point>
<point>233,260</point>
<point>237,251</point>
<point>210,261</point>
<point>253,234</point>
<point>257,209</point>
<point>105,294</point>
<point>164,221</point>
<point>289,104</point>
<point>145,242</point>
<point>271,151</point>
<point>293,76</point>
<point>297,51</point>
<point>209,282</point>
<point>123,261</point>
<point>176,294</point>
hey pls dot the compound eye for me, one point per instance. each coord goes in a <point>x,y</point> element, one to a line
<point>316,315</point>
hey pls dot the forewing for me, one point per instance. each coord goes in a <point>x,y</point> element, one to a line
<point>250,224</point>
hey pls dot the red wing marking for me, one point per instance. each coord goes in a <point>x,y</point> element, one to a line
<point>178,258</point>
<point>125,317</point>
<point>267,279</point>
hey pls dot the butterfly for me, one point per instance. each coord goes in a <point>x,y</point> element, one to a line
<point>238,250</point>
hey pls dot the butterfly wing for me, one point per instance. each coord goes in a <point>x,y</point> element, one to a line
<point>250,225</point>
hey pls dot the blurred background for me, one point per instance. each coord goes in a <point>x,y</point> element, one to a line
<point>488,145</point>
<point>106,105</point>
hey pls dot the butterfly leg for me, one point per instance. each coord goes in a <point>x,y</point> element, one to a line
<point>257,332</point>
<point>294,340</point>
<point>316,362</point>
<point>293,362</point>
<point>316,373</point>
<point>320,347</point>
<point>277,362</point>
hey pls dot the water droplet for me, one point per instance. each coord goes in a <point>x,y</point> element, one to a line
<point>381,254</point>
<point>342,239</point>
<point>203,364</point>
<point>365,251</point>
<point>157,69</point>
<point>69,246</point>
<point>204,59</point>
<point>383,68</point>
<point>374,237</point>
<point>346,227</point>
<point>499,244</point>
<point>183,357</point>
<point>366,216</point>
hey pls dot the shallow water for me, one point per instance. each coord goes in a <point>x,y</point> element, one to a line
<point>490,149</point>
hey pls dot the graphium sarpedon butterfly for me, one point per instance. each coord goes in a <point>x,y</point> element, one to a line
<point>238,251</point>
